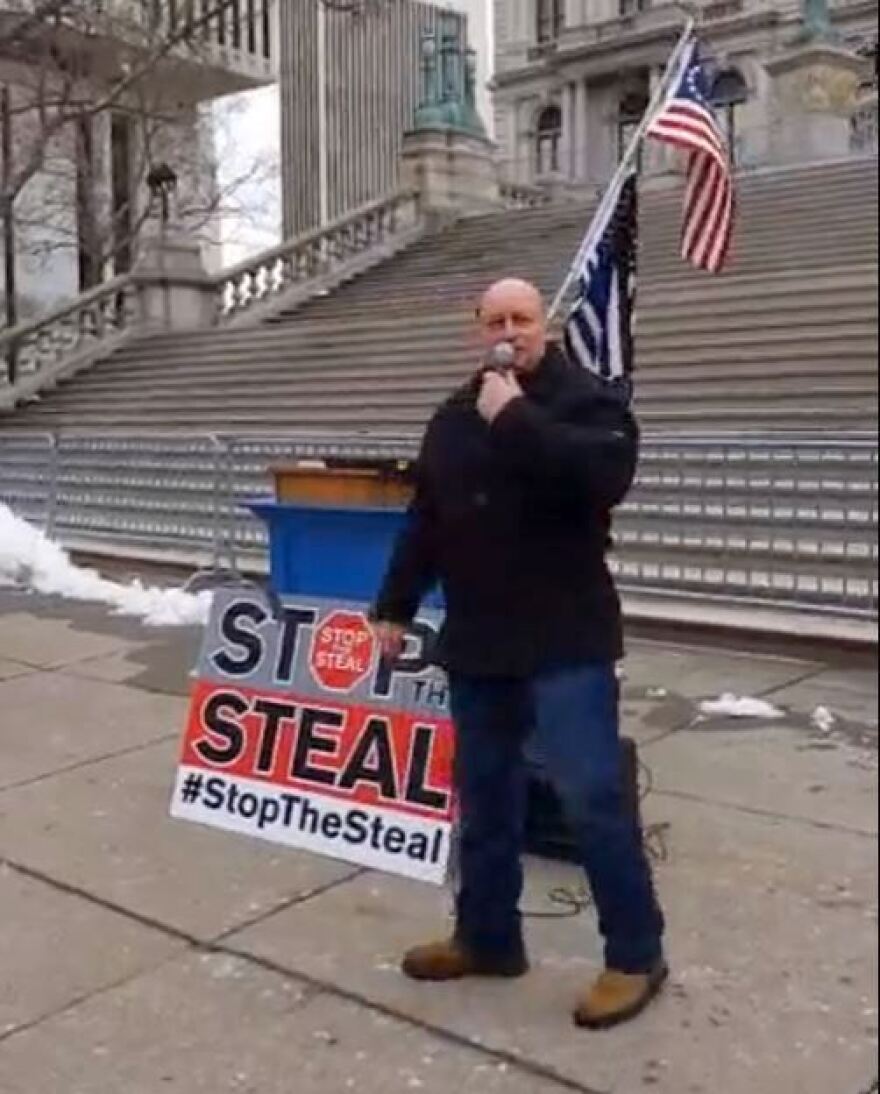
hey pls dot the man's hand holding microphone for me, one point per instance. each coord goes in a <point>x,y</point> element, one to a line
<point>499,384</point>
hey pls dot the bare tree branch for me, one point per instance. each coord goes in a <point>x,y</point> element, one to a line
<point>68,109</point>
<point>61,85</point>
<point>25,24</point>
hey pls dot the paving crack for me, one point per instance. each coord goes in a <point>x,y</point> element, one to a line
<point>23,675</point>
<point>218,945</point>
<point>514,1061</point>
<point>132,684</point>
<point>801,678</point>
<point>770,814</point>
<point>17,1030</point>
<point>90,762</point>
<point>290,902</point>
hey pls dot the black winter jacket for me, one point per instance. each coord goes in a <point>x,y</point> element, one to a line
<point>514,520</point>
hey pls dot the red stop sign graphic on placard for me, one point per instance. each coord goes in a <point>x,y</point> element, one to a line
<point>342,651</point>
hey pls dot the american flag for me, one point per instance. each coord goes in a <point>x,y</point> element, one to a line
<point>599,328</point>
<point>685,120</point>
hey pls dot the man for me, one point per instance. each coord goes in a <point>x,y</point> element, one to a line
<point>517,476</point>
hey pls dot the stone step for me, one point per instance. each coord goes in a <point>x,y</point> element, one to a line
<point>785,339</point>
<point>308,409</point>
<point>655,248</point>
<point>393,390</point>
<point>800,198</point>
<point>817,358</point>
<point>654,311</point>
<point>659,239</point>
<point>733,398</point>
<point>444,374</point>
<point>655,314</point>
<point>813,327</point>
<point>841,414</point>
<point>853,354</point>
<point>549,270</point>
<point>465,288</point>
<point>658,327</point>
<point>650,397</point>
<point>656,221</point>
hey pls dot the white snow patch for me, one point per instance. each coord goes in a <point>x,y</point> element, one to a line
<point>29,559</point>
<point>736,706</point>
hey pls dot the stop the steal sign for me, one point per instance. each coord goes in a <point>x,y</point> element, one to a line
<point>298,733</point>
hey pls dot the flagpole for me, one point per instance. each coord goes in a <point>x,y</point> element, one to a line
<point>671,73</point>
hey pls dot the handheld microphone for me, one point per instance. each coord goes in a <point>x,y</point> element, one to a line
<point>500,357</point>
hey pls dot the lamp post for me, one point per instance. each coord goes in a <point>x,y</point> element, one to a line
<point>7,214</point>
<point>162,184</point>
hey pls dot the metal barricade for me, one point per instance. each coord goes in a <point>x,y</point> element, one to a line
<point>782,520</point>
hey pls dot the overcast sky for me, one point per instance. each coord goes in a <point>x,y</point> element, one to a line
<point>249,131</point>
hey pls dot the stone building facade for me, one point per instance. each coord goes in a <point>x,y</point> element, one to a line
<point>572,78</point>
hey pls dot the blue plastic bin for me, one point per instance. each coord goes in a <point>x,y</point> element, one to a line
<point>338,552</point>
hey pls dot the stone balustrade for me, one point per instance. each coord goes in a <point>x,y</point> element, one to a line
<point>77,331</point>
<point>315,255</point>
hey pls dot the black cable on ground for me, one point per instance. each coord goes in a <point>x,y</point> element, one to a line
<point>569,902</point>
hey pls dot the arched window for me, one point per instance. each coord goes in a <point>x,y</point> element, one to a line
<point>630,112</point>
<point>550,19</point>
<point>728,93</point>
<point>549,136</point>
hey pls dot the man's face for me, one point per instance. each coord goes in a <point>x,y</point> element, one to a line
<point>513,311</point>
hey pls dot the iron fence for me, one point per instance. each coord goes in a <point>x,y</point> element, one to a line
<point>783,520</point>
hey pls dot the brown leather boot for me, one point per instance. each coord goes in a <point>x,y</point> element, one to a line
<point>618,996</point>
<point>450,960</point>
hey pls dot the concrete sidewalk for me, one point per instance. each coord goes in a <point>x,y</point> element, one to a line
<point>140,955</point>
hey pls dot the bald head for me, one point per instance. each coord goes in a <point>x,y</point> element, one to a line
<point>512,310</point>
<point>512,290</point>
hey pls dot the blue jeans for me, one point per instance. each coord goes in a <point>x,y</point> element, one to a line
<point>569,719</point>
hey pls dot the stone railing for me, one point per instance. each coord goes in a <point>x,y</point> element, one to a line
<point>319,258</point>
<point>238,38</point>
<point>34,353</point>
